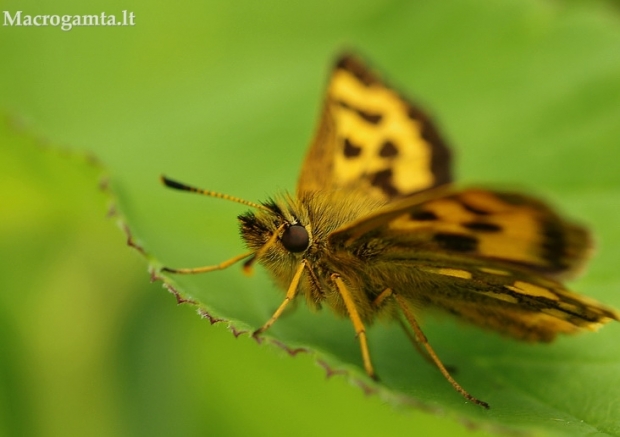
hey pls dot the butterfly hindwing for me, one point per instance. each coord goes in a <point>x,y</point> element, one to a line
<point>508,299</point>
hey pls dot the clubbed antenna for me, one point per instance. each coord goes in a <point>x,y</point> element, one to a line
<point>183,187</point>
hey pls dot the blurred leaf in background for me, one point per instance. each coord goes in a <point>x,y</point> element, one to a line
<point>226,96</point>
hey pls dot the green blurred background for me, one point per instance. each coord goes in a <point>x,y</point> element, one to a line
<point>226,95</point>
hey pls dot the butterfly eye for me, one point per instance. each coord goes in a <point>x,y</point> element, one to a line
<point>296,238</point>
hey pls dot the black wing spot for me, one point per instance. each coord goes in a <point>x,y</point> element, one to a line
<point>383,179</point>
<point>482,226</point>
<point>423,215</point>
<point>350,149</point>
<point>456,242</point>
<point>369,117</point>
<point>388,150</point>
<point>475,210</point>
<point>554,244</point>
<point>295,238</point>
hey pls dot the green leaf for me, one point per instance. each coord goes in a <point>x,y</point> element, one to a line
<point>226,97</point>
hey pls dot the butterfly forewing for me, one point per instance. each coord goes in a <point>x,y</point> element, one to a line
<point>508,227</point>
<point>372,139</point>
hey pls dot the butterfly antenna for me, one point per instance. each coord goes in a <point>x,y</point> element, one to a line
<point>183,187</point>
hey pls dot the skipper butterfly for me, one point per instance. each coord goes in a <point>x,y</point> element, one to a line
<point>376,229</point>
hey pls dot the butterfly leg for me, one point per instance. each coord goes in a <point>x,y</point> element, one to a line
<point>290,295</point>
<point>385,294</point>
<point>220,266</point>
<point>381,298</point>
<point>347,297</point>
<point>412,338</point>
<point>402,303</point>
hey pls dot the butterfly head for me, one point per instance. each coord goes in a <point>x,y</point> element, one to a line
<point>278,234</point>
<point>280,217</point>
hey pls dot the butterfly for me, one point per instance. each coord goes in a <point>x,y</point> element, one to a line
<point>376,229</point>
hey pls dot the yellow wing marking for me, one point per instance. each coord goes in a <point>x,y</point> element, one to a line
<point>494,271</point>
<point>456,273</point>
<point>532,290</point>
<point>503,297</point>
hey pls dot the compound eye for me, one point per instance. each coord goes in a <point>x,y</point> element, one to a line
<point>296,238</point>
